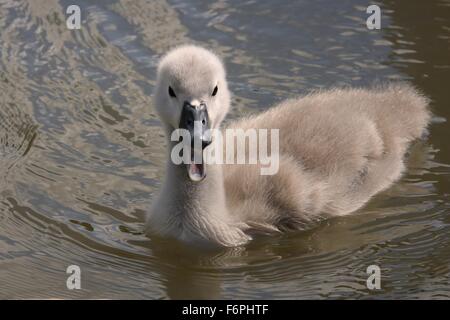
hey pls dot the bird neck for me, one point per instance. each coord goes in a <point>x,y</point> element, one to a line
<point>194,211</point>
<point>201,197</point>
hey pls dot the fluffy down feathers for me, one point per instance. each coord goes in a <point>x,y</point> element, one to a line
<point>338,148</point>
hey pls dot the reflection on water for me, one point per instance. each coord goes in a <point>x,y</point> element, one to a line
<point>81,151</point>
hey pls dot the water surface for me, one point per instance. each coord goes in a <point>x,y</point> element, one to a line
<point>82,152</point>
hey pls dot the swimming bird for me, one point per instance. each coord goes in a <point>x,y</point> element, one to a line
<point>336,148</point>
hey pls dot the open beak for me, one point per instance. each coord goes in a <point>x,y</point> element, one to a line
<point>195,119</point>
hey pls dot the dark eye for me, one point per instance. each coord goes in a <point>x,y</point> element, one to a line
<point>172,93</point>
<point>215,91</point>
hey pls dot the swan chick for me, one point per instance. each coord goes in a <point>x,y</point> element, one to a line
<point>337,148</point>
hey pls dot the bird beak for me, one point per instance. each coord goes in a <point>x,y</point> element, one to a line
<point>195,119</point>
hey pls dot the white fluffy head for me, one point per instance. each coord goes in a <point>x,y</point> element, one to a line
<point>192,73</point>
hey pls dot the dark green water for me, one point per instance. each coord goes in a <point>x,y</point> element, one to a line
<point>81,151</point>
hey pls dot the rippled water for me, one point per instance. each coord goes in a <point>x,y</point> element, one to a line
<point>81,151</point>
